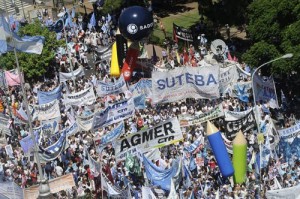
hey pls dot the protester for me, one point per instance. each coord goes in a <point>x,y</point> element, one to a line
<point>202,178</point>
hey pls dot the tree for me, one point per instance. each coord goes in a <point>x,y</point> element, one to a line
<point>34,65</point>
<point>276,25</point>
<point>223,12</point>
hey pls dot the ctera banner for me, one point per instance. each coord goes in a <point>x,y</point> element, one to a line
<point>104,88</point>
<point>244,123</point>
<point>161,135</point>
<point>182,33</point>
<point>189,120</point>
<point>185,82</point>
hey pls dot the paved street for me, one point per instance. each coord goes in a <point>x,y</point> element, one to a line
<point>18,3</point>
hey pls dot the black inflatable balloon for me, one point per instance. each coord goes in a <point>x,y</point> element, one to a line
<point>135,23</point>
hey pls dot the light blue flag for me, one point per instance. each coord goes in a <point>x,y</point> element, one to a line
<point>25,44</point>
<point>93,20</point>
<point>114,134</point>
<point>193,146</point>
<point>46,97</point>
<point>158,176</point>
<point>139,102</point>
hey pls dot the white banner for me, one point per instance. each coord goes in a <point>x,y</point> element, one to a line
<point>233,115</point>
<point>143,86</point>
<point>49,127</point>
<point>4,124</point>
<point>57,184</point>
<point>47,111</point>
<point>185,82</point>
<point>290,132</point>
<point>63,77</point>
<point>161,135</point>
<point>288,193</point>
<point>104,89</point>
<point>264,90</point>
<point>84,97</point>
<point>85,123</point>
<point>228,77</point>
<point>188,120</point>
<point>147,193</point>
<point>114,113</point>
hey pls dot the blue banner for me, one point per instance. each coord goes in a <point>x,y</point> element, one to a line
<point>158,176</point>
<point>46,97</point>
<point>114,134</point>
<point>193,146</point>
<point>114,113</point>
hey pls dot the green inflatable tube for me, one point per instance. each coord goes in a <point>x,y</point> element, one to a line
<point>239,158</point>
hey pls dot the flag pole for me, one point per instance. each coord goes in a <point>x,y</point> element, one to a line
<point>44,189</point>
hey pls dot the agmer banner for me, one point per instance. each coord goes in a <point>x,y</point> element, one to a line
<point>161,135</point>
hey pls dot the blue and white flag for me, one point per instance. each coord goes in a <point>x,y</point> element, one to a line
<point>93,20</point>
<point>242,93</point>
<point>27,143</point>
<point>139,102</point>
<point>158,176</point>
<point>112,135</point>
<point>25,44</point>
<point>46,97</point>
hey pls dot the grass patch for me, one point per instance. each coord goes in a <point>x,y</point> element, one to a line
<point>185,19</point>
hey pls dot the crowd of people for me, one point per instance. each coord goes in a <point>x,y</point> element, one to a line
<point>206,180</point>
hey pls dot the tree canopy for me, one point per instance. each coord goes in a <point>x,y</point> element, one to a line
<point>274,28</point>
<point>34,65</point>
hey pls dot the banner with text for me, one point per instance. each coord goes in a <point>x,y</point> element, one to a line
<point>228,77</point>
<point>244,124</point>
<point>47,111</point>
<point>63,77</point>
<point>143,86</point>
<point>264,90</point>
<point>114,113</point>
<point>188,120</point>
<point>46,97</point>
<point>186,82</point>
<point>104,88</point>
<point>56,185</point>
<point>161,135</point>
<point>182,33</point>
<point>290,132</point>
<point>85,122</point>
<point>84,97</point>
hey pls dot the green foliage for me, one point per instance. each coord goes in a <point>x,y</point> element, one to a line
<point>34,65</point>
<point>111,5</point>
<point>277,24</point>
<point>230,12</point>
